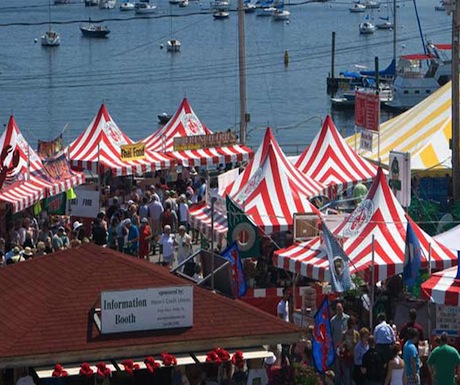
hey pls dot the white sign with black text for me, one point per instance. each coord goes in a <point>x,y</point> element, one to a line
<point>147,309</point>
<point>86,205</point>
<point>448,319</point>
<point>366,140</point>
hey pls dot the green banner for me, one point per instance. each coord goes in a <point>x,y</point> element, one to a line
<point>242,230</point>
<point>56,204</point>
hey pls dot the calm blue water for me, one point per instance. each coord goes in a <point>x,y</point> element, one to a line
<point>48,89</point>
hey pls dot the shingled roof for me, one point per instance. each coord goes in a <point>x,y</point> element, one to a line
<point>46,312</point>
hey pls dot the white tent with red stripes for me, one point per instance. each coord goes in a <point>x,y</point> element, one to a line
<point>443,288</point>
<point>200,217</point>
<point>379,223</point>
<point>97,149</point>
<point>330,160</point>
<point>29,182</point>
<point>271,189</point>
<point>185,123</point>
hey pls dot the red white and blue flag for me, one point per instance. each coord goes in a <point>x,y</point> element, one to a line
<point>231,253</point>
<point>412,257</point>
<point>323,346</point>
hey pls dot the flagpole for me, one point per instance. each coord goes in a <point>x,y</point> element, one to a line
<point>213,200</point>
<point>371,299</point>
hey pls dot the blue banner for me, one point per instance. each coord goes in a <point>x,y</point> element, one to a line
<point>412,257</point>
<point>232,254</point>
<point>323,346</point>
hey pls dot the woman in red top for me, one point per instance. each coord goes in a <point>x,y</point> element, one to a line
<point>145,234</point>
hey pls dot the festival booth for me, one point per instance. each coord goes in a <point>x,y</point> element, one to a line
<point>26,178</point>
<point>424,131</point>
<point>330,160</point>
<point>123,320</point>
<point>186,139</point>
<point>103,147</point>
<point>373,237</point>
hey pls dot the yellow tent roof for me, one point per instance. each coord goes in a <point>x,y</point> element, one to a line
<point>424,131</point>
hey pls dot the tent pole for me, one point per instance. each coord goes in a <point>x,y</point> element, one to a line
<point>429,308</point>
<point>371,299</point>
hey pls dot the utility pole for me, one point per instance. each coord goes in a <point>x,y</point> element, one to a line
<point>455,102</point>
<point>244,117</point>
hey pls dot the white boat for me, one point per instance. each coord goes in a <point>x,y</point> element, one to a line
<point>127,6</point>
<point>221,15</point>
<point>183,3</point>
<point>440,6</point>
<point>107,4</point>
<point>50,38</point>
<point>372,4</point>
<point>357,8</point>
<point>385,24</point>
<point>144,8</point>
<point>366,28</point>
<point>220,5</point>
<point>249,7</point>
<point>173,45</point>
<point>281,15</point>
<point>265,11</point>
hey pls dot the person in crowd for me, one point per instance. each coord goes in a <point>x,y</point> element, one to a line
<point>411,358</point>
<point>14,256</point>
<point>284,313</point>
<point>155,211</point>
<point>384,337</point>
<point>145,236</point>
<point>57,240</point>
<point>48,245</point>
<point>444,363</point>
<point>360,349</point>
<point>191,192</point>
<point>338,326</point>
<point>167,243</point>
<point>122,233</point>
<point>24,225</point>
<point>144,207</point>
<point>78,230</point>
<point>65,239</point>
<point>184,245</point>
<point>183,211</point>
<point>2,252</point>
<point>412,323</point>
<point>44,232</point>
<point>396,373</point>
<point>201,194</point>
<point>373,365</point>
<point>170,201</point>
<point>346,351</point>
<point>29,241</point>
<point>113,208</point>
<point>98,231</point>
<point>27,253</point>
<point>14,233</point>
<point>132,243</point>
<point>169,217</point>
<point>112,233</point>
<point>40,249</point>
<point>134,196</point>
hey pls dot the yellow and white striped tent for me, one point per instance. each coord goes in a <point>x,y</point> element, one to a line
<point>424,131</point>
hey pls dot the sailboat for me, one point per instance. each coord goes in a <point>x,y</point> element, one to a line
<point>280,14</point>
<point>93,30</point>
<point>366,27</point>
<point>172,45</point>
<point>50,38</point>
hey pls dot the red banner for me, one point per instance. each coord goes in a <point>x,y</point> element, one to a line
<point>58,168</point>
<point>367,110</point>
<point>51,148</point>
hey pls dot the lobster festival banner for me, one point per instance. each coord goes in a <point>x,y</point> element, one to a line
<point>48,149</point>
<point>134,151</point>
<point>58,167</point>
<point>196,142</point>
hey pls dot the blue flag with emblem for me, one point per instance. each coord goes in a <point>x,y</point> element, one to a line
<point>322,345</point>
<point>338,263</point>
<point>232,255</point>
<point>412,257</point>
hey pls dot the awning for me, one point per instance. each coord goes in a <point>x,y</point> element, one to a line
<point>442,288</point>
<point>212,156</point>
<point>200,219</point>
<point>25,193</point>
<point>182,359</point>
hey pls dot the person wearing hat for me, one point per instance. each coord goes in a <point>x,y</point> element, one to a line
<point>57,240</point>
<point>15,256</point>
<point>145,235</point>
<point>132,243</point>
<point>27,253</point>
<point>78,230</point>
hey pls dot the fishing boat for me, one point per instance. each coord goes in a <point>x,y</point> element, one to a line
<point>144,8</point>
<point>127,6</point>
<point>357,8</point>
<point>107,4</point>
<point>221,15</point>
<point>50,38</point>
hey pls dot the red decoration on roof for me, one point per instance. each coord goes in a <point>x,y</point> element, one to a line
<point>168,359</point>
<point>238,359</point>
<point>151,364</point>
<point>217,356</point>
<point>85,370</point>
<point>130,366</point>
<point>103,370</point>
<point>59,371</point>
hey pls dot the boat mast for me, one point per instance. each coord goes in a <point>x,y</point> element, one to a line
<point>49,15</point>
<point>394,30</point>
<point>242,72</point>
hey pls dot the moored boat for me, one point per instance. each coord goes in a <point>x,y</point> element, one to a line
<point>173,45</point>
<point>107,4</point>
<point>50,39</point>
<point>144,8</point>
<point>91,3</point>
<point>221,15</point>
<point>183,3</point>
<point>164,118</point>
<point>93,30</point>
<point>281,15</point>
<point>357,8</point>
<point>366,28</point>
<point>127,6</point>
<point>249,7</point>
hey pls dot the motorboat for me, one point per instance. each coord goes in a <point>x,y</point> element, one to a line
<point>372,4</point>
<point>173,45</point>
<point>249,7</point>
<point>385,24</point>
<point>346,99</point>
<point>265,11</point>
<point>357,8</point>
<point>220,5</point>
<point>366,28</point>
<point>107,4</point>
<point>144,8</point>
<point>50,39</point>
<point>221,15</point>
<point>183,3</point>
<point>127,6</point>
<point>93,30</point>
<point>281,15</point>
<point>164,118</point>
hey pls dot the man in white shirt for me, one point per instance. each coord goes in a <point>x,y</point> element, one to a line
<point>384,337</point>
<point>283,313</point>
<point>184,245</point>
<point>167,242</point>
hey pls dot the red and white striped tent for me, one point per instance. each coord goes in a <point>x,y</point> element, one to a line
<point>443,288</point>
<point>29,182</point>
<point>271,189</point>
<point>200,219</point>
<point>380,216</point>
<point>330,160</point>
<point>97,149</point>
<point>186,123</point>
